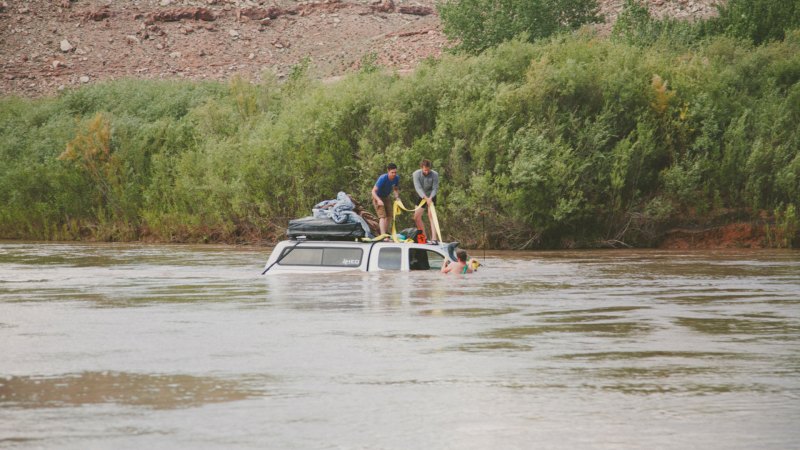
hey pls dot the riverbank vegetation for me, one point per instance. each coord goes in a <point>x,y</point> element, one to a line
<point>571,141</point>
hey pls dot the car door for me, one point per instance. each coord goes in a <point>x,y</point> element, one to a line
<point>424,259</point>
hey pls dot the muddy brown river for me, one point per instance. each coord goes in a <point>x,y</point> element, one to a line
<point>140,346</point>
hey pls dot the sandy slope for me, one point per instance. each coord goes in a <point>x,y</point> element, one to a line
<point>47,45</point>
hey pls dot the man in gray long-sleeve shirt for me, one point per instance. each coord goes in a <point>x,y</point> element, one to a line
<point>426,184</point>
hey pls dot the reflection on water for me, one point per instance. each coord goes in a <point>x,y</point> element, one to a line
<point>613,328</point>
<point>643,355</point>
<point>155,391</point>
<point>132,346</point>
<point>755,328</point>
<point>492,346</point>
<point>593,312</point>
<point>467,312</point>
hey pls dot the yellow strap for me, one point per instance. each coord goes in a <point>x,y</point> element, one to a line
<point>435,230</point>
<point>375,239</point>
<point>398,206</point>
<point>382,237</point>
<point>396,211</point>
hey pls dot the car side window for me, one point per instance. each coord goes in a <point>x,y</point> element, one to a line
<point>421,259</point>
<point>346,257</point>
<point>389,258</point>
<point>302,257</point>
<point>310,256</point>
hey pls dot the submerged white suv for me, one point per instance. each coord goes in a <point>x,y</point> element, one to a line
<point>309,256</point>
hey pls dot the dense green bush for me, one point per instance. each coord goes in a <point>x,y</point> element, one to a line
<point>757,21</point>
<point>577,141</point>
<point>635,25</point>
<point>481,24</point>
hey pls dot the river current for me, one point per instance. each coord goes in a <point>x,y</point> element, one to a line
<point>155,346</point>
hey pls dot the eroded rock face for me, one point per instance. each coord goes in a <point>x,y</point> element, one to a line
<point>415,10</point>
<point>175,15</point>
<point>99,14</point>
<point>385,6</point>
<point>217,39</point>
<point>272,12</point>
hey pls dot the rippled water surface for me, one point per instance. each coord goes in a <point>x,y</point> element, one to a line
<point>131,346</point>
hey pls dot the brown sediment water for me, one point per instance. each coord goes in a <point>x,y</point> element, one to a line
<point>134,346</point>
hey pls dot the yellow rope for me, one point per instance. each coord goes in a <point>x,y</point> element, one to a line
<point>435,230</point>
<point>375,239</point>
<point>399,207</point>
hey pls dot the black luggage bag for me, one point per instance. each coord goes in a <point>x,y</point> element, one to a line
<point>324,229</point>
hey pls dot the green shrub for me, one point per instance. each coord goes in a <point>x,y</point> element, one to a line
<point>573,141</point>
<point>757,20</point>
<point>635,25</point>
<point>481,24</point>
<point>786,230</point>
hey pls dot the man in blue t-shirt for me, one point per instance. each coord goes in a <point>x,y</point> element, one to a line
<point>387,184</point>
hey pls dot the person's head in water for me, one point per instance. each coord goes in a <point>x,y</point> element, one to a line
<point>462,255</point>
